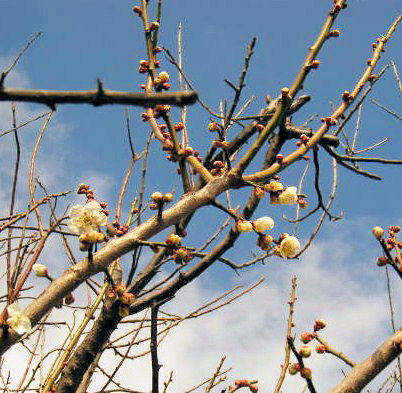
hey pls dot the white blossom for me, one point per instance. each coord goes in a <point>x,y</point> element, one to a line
<point>87,218</point>
<point>289,247</point>
<point>263,224</point>
<point>17,320</point>
<point>288,196</point>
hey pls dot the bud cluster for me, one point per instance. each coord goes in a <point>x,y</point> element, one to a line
<point>118,229</point>
<point>218,143</point>
<point>161,81</point>
<point>305,372</point>
<point>119,293</point>
<point>180,254</point>
<point>218,169</point>
<point>242,383</point>
<point>389,243</point>
<point>159,199</point>
<point>168,145</point>
<point>303,140</point>
<point>281,195</point>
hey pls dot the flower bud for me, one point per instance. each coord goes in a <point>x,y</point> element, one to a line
<point>69,299</point>
<point>273,186</point>
<point>378,232</point>
<point>179,126</point>
<point>265,242</point>
<point>157,197</point>
<point>288,196</point>
<point>263,224</point>
<point>137,10</point>
<point>182,254</point>
<point>40,270</point>
<point>346,96</point>
<point>164,76</point>
<point>244,226</point>
<point>306,372</point>
<point>294,368</point>
<point>259,192</point>
<point>305,351</point>
<point>279,158</point>
<point>306,337</point>
<point>320,348</point>
<point>213,126</point>
<point>242,382</point>
<point>334,33</point>
<point>382,261</point>
<point>173,240</point>
<point>92,237</point>
<point>302,203</point>
<point>168,197</point>
<point>154,26</point>
<point>319,324</point>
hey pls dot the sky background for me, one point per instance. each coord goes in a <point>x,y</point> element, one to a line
<point>338,278</point>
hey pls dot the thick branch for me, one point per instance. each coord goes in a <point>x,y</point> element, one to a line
<point>364,372</point>
<point>97,97</point>
<point>90,347</point>
<point>116,248</point>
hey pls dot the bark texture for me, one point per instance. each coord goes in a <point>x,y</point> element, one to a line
<point>364,372</point>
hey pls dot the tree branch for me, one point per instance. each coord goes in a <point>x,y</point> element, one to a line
<point>364,372</point>
<point>97,97</point>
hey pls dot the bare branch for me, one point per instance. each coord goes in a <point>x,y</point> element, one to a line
<point>97,97</point>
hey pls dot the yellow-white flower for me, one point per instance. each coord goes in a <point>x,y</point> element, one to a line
<point>263,224</point>
<point>40,270</point>
<point>288,196</point>
<point>289,247</point>
<point>17,320</point>
<point>86,218</point>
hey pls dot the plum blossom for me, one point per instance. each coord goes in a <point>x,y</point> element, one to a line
<point>17,320</point>
<point>289,247</point>
<point>87,218</point>
<point>288,196</point>
<point>263,224</point>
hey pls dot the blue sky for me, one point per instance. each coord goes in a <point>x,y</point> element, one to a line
<point>84,40</point>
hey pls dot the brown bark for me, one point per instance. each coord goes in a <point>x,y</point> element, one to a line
<point>364,372</point>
